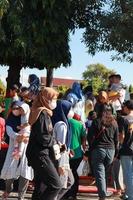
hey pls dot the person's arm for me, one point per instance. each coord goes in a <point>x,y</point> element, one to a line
<point>60,132</point>
<point>116,140</point>
<point>91,133</point>
<point>14,135</point>
<point>43,130</point>
<point>2,129</point>
<point>11,133</point>
<point>121,137</point>
<point>123,128</point>
<point>83,138</point>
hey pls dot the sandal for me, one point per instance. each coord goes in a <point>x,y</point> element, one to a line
<point>5,196</point>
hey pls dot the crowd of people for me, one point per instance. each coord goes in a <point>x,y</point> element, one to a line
<point>48,137</point>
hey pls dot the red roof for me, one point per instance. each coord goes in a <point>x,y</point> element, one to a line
<point>60,81</point>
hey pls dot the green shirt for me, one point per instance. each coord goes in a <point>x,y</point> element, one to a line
<point>78,133</point>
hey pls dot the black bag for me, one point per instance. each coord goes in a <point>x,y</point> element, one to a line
<point>6,138</point>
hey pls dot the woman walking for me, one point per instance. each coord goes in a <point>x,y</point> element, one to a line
<point>40,151</point>
<point>103,137</point>
<point>62,133</point>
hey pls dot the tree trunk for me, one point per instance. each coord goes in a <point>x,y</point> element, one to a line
<point>124,6</point>
<point>49,78</point>
<point>13,77</point>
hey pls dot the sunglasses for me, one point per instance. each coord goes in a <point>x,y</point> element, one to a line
<point>15,108</point>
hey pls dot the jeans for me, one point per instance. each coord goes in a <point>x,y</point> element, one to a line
<point>117,175</point>
<point>127,165</point>
<point>101,160</point>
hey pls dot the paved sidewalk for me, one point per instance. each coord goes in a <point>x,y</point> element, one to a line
<point>83,196</point>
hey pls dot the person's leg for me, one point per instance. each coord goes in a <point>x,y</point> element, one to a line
<point>37,186</point>
<point>9,185</point>
<point>99,170</point>
<point>107,164</point>
<point>8,188</point>
<point>22,188</point>
<point>69,183</point>
<point>72,192</point>
<point>117,176</point>
<point>47,175</point>
<point>127,165</point>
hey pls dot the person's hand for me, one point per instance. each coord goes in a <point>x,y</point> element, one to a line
<point>71,153</point>
<point>19,127</point>
<point>131,127</point>
<point>115,158</point>
<point>85,158</point>
<point>26,140</point>
<point>20,138</point>
<point>61,171</point>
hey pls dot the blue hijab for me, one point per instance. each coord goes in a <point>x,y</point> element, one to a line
<point>76,94</point>
<point>76,89</point>
<point>34,84</point>
<point>60,114</point>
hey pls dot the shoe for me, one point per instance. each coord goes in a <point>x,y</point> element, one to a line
<point>124,197</point>
<point>109,194</point>
<point>5,196</point>
<point>118,193</point>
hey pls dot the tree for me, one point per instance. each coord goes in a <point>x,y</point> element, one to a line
<point>2,88</point>
<point>3,7</point>
<point>111,29</point>
<point>34,34</point>
<point>130,88</point>
<point>97,76</point>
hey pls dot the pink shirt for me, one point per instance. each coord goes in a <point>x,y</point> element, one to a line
<point>2,129</point>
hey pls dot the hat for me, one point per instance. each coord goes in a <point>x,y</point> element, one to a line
<point>129,104</point>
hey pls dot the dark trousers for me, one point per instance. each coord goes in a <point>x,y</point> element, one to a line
<point>74,163</point>
<point>47,182</point>
<point>2,159</point>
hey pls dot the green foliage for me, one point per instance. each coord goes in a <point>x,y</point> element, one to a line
<point>130,88</point>
<point>111,29</point>
<point>3,7</point>
<point>36,34</point>
<point>2,88</point>
<point>97,76</point>
<point>62,90</point>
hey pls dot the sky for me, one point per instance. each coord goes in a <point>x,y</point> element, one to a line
<point>80,60</point>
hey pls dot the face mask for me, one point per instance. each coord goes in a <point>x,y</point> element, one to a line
<point>70,114</point>
<point>52,104</point>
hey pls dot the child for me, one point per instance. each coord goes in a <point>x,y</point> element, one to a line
<point>24,131</point>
